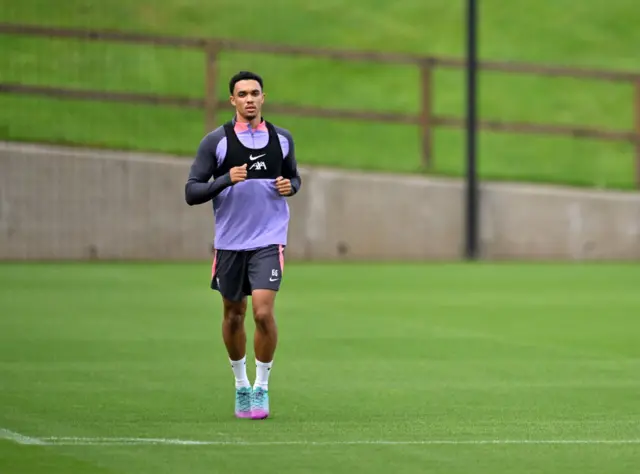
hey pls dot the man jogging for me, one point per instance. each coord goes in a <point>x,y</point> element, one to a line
<point>254,169</point>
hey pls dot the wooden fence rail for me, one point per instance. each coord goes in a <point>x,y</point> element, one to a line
<point>426,120</point>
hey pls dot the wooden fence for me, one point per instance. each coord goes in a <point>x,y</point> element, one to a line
<point>426,119</point>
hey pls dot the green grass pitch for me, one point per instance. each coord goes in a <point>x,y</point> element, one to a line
<point>487,368</point>
<point>589,33</point>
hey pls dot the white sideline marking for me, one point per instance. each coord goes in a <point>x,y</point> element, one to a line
<point>18,438</point>
<point>101,441</point>
<point>74,441</point>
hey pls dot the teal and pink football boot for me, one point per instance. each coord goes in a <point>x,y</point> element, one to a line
<point>259,404</point>
<point>243,402</point>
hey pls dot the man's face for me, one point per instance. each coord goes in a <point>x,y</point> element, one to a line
<point>247,98</point>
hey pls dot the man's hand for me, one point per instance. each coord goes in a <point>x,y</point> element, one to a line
<point>283,186</point>
<point>238,174</point>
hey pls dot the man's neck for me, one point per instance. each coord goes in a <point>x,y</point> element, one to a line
<point>253,123</point>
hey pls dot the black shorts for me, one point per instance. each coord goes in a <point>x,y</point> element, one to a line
<point>235,274</point>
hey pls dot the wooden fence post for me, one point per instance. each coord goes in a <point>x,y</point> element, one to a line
<point>210,96</point>
<point>637,131</point>
<point>426,69</point>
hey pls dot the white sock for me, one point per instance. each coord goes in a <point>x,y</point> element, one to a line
<point>263,369</point>
<point>239,368</point>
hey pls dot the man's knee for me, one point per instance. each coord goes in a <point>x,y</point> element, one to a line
<point>263,303</point>
<point>234,314</point>
<point>263,316</point>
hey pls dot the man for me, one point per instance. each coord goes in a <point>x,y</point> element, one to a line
<point>254,169</point>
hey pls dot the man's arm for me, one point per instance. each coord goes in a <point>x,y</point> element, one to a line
<point>198,189</point>
<point>290,166</point>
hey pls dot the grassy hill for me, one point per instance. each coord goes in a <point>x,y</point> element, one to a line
<point>564,32</point>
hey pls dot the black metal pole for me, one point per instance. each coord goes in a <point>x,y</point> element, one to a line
<point>472,181</point>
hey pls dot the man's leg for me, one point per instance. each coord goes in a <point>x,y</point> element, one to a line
<point>228,277</point>
<point>265,275</point>
<point>235,338</point>
<point>265,342</point>
<point>266,335</point>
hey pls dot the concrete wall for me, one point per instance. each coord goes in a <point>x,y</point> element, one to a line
<point>61,203</point>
